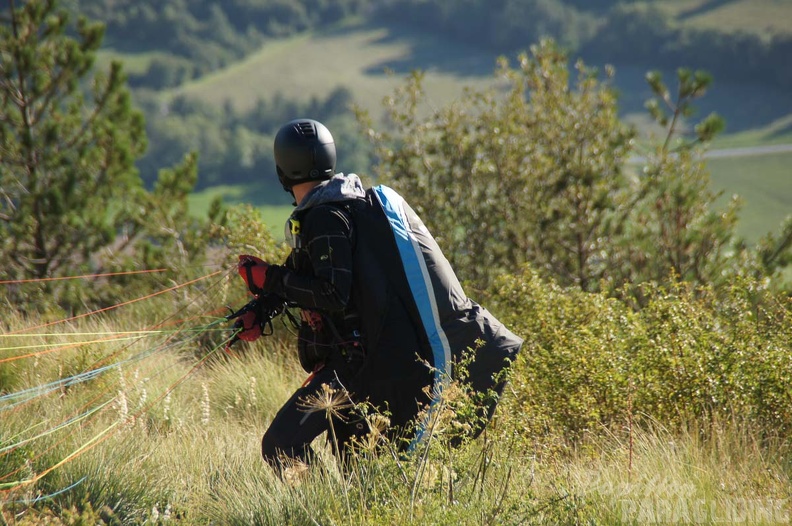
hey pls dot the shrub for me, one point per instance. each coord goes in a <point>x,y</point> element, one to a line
<point>590,361</point>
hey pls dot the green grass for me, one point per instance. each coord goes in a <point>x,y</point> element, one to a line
<point>762,17</point>
<point>764,182</point>
<point>274,216</point>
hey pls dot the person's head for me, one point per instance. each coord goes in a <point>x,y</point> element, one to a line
<point>304,152</point>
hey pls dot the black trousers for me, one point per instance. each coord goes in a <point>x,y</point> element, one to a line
<point>297,424</point>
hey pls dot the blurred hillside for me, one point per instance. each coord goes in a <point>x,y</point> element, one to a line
<point>218,79</point>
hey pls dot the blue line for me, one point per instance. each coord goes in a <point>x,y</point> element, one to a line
<point>25,395</point>
<point>46,497</point>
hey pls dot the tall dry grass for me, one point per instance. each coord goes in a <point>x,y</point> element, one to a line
<point>170,433</point>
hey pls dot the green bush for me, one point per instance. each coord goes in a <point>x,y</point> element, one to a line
<point>690,355</point>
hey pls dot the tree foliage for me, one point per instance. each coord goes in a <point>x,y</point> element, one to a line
<point>69,138</point>
<point>535,175</point>
<point>538,174</point>
<point>67,155</point>
<point>622,31</point>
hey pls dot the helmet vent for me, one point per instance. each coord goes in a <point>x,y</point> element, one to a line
<point>307,129</point>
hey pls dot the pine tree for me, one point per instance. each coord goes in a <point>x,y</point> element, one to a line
<point>69,139</point>
<point>68,149</point>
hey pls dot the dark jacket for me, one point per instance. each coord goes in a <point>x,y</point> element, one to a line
<point>366,262</point>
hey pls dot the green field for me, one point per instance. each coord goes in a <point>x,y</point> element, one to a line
<point>762,17</point>
<point>765,185</point>
<point>368,60</point>
<point>274,216</point>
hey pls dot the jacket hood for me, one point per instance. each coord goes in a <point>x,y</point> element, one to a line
<point>340,187</point>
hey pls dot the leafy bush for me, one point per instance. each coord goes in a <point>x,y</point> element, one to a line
<point>591,362</point>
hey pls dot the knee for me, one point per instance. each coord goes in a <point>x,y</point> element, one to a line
<point>279,452</point>
<point>271,447</point>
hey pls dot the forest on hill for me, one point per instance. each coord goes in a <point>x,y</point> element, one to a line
<point>185,40</point>
<point>571,135</point>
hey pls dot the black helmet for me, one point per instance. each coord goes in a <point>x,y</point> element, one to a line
<point>304,151</point>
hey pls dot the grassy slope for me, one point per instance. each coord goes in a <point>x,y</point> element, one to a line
<point>765,185</point>
<point>757,16</point>
<point>368,60</point>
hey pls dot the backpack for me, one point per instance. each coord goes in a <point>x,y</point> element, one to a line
<point>417,322</point>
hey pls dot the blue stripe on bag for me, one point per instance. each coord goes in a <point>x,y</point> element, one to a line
<point>421,288</point>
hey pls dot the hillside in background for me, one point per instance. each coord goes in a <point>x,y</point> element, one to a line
<point>363,54</point>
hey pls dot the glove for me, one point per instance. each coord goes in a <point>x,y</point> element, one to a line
<point>254,271</point>
<point>249,323</point>
<point>250,326</point>
<point>254,317</point>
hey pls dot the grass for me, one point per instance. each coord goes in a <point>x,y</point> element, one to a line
<point>178,442</point>
<point>764,182</point>
<point>761,17</point>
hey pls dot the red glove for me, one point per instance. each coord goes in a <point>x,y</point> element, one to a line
<point>254,271</point>
<point>250,325</point>
<point>253,319</point>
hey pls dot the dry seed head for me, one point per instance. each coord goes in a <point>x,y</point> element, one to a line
<point>123,407</point>
<point>377,425</point>
<point>252,393</point>
<point>329,400</point>
<point>294,471</point>
<point>166,407</point>
<point>205,403</point>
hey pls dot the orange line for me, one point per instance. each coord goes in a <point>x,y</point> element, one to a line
<point>112,337</point>
<point>63,347</point>
<point>110,431</point>
<point>104,391</point>
<point>36,280</point>
<point>116,305</point>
